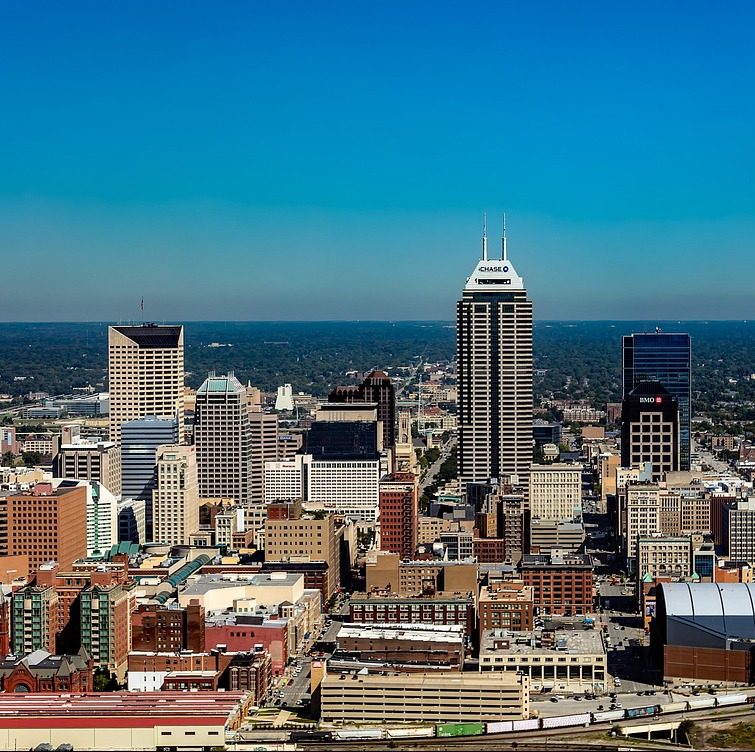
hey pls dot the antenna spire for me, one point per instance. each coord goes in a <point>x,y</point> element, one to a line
<point>503,239</point>
<point>485,236</point>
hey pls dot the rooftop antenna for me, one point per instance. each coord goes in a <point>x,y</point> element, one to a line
<point>485,236</point>
<point>503,239</point>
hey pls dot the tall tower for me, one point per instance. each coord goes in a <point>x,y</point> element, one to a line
<point>146,374</point>
<point>494,351</point>
<point>223,439</point>
<point>666,358</point>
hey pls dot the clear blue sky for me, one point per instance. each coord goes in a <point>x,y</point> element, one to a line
<point>321,160</point>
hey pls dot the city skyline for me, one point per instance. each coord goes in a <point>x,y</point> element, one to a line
<point>296,143</point>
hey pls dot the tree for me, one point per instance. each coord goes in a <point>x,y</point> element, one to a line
<point>31,458</point>
<point>104,681</point>
<point>8,460</point>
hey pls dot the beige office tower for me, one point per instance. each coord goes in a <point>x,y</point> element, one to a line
<point>494,350</point>
<point>175,504</point>
<point>146,374</point>
<point>264,428</point>
<point>223,439</point>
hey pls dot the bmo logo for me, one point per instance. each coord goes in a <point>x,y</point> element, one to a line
<point>651,400</point>
<point>494,268</point>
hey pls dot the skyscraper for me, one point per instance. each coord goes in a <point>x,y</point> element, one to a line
<point>377,387</point>
<point>176,496</point>
<point>650,429</point>
<point>146,374</point>
<point>223,439</point>
<point>663,357</point>
<point>494,351</point>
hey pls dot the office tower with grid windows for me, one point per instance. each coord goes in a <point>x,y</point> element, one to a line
<point>664,357</point>
<point>146,374</point>
<point>176,495</point>
<point>494,352</point>
<point>223,439</point>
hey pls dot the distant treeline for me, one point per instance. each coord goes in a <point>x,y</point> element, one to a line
<point>580,360</point>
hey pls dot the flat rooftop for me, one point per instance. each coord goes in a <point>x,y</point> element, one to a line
<point>420,633</point>
<point>566,642</point>
<point>136,705</point>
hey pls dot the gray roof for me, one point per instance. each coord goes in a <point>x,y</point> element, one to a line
<point>724,609</point>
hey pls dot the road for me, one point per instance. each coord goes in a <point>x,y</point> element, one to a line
<point>434,469</point>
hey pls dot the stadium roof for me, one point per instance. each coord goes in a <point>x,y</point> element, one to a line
<point>726,608</point>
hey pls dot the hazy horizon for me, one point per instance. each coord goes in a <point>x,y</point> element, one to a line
<point>300,162</point>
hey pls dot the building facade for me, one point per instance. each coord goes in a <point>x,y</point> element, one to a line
<point>663,357</point>
<point>145,374</point>
<point>494,351</point>
<point>556,492</point>
<point>650,429</point>
<point>398,514</point>
<point>223,439</point>
<point>176,496</point>
<point>562,583</point>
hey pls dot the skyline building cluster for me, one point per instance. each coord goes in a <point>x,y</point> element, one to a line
<point>462,519</point>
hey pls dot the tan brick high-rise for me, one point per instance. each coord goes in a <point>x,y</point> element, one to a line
<point>146,374</point>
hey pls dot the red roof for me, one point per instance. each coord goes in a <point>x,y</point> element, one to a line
<point>117,709</point>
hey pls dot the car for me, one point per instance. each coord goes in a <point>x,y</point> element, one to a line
<point>618,705</point>
<point>600,707</point>
<point>554,699</point>
<point>578,698</point>
<point>639,694</point>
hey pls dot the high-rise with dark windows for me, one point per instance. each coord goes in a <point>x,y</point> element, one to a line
<point>663,357</point>
<point>494,350</point>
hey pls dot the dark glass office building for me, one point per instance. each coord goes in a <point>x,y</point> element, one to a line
<point>666,358</point>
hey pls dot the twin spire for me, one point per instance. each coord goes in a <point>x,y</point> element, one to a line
<point>485,238</point>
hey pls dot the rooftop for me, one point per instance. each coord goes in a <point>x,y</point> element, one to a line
<point>152,336</point>
<point>565,641</point>
<point>415,632</point>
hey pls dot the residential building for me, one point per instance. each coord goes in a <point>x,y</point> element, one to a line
<point>562,582</point>
<point>546,535</point>
<point>739,530</point>
<point>506,604</point>
<point>106,625</point>
<point>398,514</point>
<point>145,374</point>
<point>34,619</point>
<point>494,352</point>
<point>170,629</point>
<point>48,524</point>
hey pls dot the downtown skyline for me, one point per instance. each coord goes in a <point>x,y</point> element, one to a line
<point>243,165</point>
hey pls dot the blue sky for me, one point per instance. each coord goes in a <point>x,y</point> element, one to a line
<point>332,160</point>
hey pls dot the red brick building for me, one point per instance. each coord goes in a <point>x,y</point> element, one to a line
<point>562,583</point>
<point>398,514</point>
<point>238,636</point>
<point>41,671</point>
<point>508,604</point>
<point>48,524</point>
<point>440,608</point>
<point>159,628</point>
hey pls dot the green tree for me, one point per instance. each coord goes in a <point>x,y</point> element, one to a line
<point>8,459</point>
<point>31,458</point>
<point>104,681</point>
